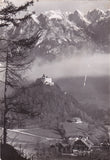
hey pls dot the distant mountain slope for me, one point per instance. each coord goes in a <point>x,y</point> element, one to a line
<point>94,97</point>
<point>96,91</point>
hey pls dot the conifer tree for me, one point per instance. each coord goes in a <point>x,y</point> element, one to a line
<point>14,52</point>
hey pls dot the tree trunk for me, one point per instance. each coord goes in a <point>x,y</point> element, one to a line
<point>5,104</point>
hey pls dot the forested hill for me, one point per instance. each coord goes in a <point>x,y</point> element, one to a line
<point>47,106</point>
<point>47,103</point>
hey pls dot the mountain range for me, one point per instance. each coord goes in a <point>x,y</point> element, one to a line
<point>65,33</point>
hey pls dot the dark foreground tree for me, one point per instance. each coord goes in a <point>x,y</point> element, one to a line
<point>10,153</point>
<point>14,53</point>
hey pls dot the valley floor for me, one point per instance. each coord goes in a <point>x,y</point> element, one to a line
<point>27,142</point>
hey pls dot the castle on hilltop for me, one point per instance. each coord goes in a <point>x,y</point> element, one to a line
<point>47,80</point>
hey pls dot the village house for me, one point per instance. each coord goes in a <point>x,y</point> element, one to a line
<point>75,146</point>
<point>82,143</point>
<point>76,141</point>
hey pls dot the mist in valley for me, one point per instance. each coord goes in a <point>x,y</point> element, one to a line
<point>95,65</point>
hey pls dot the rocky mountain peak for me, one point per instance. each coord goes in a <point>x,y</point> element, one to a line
<point>79,19</point>
<point>95,15</point>
<point>54,14</point>
<point>64,32</point>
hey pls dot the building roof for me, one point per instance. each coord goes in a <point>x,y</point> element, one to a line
<point>85,140</point>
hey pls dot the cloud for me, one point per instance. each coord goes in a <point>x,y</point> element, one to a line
<point>75,66</point>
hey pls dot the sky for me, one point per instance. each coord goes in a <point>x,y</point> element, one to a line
<point>66,5</point>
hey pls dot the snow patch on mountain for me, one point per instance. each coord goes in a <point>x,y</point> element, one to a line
<point>54,14</point>
<point>34,17</point>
